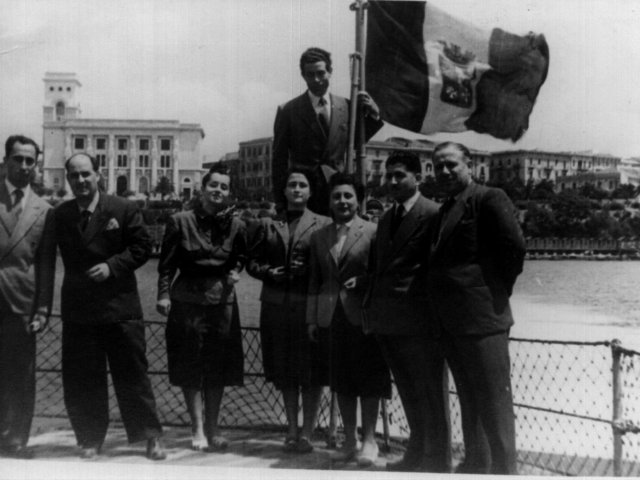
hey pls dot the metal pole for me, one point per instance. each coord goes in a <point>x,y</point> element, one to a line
<point>616,354</point>
<point>385,425</point>
<point>356,85</point>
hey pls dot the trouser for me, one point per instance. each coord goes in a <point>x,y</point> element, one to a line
<point>481,370</point>
<point>85,352</point>
<point>17,378</point>
<point>418,367</point>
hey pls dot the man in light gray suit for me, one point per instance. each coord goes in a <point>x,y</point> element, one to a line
<point>27,263</point>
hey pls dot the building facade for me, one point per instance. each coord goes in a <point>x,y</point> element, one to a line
<point>134,155</point>
<point>538,165</point>
<point>254,161</point>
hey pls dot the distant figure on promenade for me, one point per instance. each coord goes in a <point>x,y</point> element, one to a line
<point>337,282</point>
<point>27,264</point>
<point>313,130</point>
<point>204,343</point>
<point>279,257</point>
<point>476,255</point>
<point>396,303</point>
<point>102,241</point>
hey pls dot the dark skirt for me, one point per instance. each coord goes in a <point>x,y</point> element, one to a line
<point>289,359</point>
<point>354,360</point>
<point>200,354</point>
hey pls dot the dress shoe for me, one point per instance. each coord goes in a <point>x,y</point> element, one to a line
<point>368,455</point>
<point>304,445</point>
<point>17,451</point>
<point>155,450</point>
<point>89,452</point>
<point>344,454</point>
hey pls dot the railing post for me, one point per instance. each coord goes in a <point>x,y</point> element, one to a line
<point>616,354</point>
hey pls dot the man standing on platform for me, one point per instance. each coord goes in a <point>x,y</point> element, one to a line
<point>312,130</point>
<point>27,265</point>
<point>477,252</point>
<point>395,312</point>
<point>102,241</point>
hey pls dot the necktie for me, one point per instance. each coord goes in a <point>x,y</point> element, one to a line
<point>85,215</point>
<point>323,116</point>
<point>397,219</point>
<point>16,207</point>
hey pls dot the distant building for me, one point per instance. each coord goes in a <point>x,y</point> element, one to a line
<point>604,180</point>
<point>630,171</point>
<point>254,159</point>
<point>134,155</point>
<point>538,165</point>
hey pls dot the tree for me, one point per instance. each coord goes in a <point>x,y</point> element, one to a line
<point>543,190</point>
<point>164,187</point>
<point>539,221</point>
<point>570,211</point>
<point>625,191</point>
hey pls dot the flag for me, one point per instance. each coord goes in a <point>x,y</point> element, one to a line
<point>430,72</point>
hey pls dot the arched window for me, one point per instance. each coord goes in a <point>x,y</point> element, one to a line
<point>60,110</point>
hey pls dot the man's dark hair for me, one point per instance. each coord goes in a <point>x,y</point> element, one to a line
<point>94,161</point>
<point>458,146</point>
<point>313,55</point>
<point>340,178</point>
<point>219,168</point>
<point>410,160</point>
<point>13,139</point>
<point>302,170</point>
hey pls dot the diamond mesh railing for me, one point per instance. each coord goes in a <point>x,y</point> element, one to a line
<point>577,404</point>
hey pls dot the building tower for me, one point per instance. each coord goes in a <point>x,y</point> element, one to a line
<point>60,100</point>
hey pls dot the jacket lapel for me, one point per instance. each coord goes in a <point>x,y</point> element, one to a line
<point>353,235</point>
<point>453,217</point>
<point>409,223</point>
<point>96,222</point>
<point>282,231</point>
<point>31,213</point>
<point>5,209</point>
<point>307,220</point>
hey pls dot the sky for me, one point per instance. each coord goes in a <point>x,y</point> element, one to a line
<point>227,64</point>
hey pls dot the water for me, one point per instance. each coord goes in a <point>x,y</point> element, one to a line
<point>578,300</point>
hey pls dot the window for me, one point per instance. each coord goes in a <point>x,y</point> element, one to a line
<point>143,160</point>
<point>51,89</point>
<point>143,144</point>
<point>68,89</point>
<point>165,161</point>
<point>102,159</point>
<point>165,144</point>
<point>59,110</point>
<point>122,144</point>
<point>123,160</point>
<point>78,143</point>
<point>101,143</point>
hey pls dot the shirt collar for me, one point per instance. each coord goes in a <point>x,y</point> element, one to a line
<point>410,202</point>
<point>93,205</point>
<point>315,99</point>
<point>12,188</point>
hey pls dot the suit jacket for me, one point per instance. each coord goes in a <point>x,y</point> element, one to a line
<point>327,275</point>
<point>205,251</point>
<point>474,264</point>
<point>270,246</point>
<point>298,138</point>
<point>27,255</point>
<point>396,301</point>
<point>115,235</point>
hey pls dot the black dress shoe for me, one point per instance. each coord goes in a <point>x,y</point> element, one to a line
<point>155,450</point>
<point>17,451</point>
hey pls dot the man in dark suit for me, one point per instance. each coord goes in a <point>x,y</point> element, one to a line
<point>476,255</point>
<point>27,264</point>
<point>313,130</point>
<point>102,240</point>
<point>395,312</point>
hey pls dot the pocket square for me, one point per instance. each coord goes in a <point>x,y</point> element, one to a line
<point>112,225</point>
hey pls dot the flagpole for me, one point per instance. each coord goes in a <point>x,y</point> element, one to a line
<point>357,83</point>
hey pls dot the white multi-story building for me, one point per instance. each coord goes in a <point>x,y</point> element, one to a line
<point>134,155</point>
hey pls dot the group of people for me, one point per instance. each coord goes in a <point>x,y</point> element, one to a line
<point>345,303</point>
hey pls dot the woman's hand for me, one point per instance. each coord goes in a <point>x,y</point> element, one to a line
<point>163,307</point>
<point>351,283</point>
<point>298,268</point>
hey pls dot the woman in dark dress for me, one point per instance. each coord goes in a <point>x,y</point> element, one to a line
<point>204,344</point>
<point>278,256</point>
